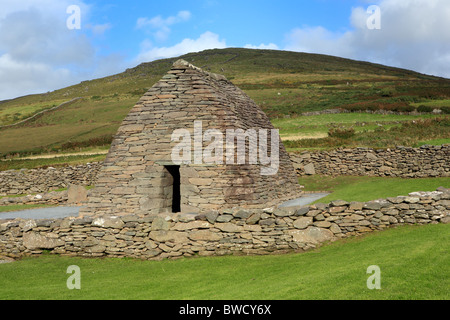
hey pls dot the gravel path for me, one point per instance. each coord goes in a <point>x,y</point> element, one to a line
<point>304,200</point>
<point>63,212</point>
<point>42,213</point>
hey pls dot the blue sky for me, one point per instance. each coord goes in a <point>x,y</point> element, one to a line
<point>39,53</point>
<point>239,23</point>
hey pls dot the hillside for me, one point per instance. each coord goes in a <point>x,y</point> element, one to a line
<point>282,83</point>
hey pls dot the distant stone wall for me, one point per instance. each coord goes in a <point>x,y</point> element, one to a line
<point>426,161</point>
<point>49,198</point>
<point>74,195</point>
<point>228,231</point>
<point>32,181</point>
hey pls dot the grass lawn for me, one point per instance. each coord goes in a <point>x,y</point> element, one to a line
<point>352,188</point>
<point>413,261</point>
<point>321,123</point>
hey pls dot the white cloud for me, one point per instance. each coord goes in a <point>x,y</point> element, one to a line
<point>160,26</point>
<point>18,78</point>
<point>99,29</point>
<point>39,53</point>
<point>414,34</point>
<point>34,35</point>
<point>270,46</point>
<point>207,40</point>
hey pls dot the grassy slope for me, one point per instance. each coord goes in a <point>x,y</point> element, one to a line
<point>413,261</point>
<point>281,82</point>
<point>351,188</point>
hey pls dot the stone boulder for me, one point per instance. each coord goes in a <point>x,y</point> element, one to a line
<point>33,241</point>
<point>76,194</point>
<point>312,235</point>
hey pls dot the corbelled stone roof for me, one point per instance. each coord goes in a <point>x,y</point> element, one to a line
<point>134,178</point>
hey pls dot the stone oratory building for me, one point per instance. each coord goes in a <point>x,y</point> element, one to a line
<point>175,152</point>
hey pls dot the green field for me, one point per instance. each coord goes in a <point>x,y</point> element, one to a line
<point>413,261</point>
<point>351,188</point>
<point>58,160</point>
<point>284,84</point>
<point>319,125</point>
<point>373,132</point>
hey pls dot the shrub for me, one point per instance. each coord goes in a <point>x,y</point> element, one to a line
<point>423,108</point>
<point>404,108</point>
<point>387,92</point>
<point>355,108</point>
<point>344,133</point>
<point>445,110</point>
<point>97,141</point>
<point>373,107</point>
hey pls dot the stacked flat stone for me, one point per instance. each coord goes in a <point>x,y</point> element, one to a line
<point>404,162</point>
<point>219,232</point>
<point>42,180</point>
<point>134,180</point>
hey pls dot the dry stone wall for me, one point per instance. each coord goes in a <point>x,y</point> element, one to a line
<point>426,161</point>
<point>228,231</point>
<point>405,162</point>
<point>33,181</point>
<point>50,198</point>
<point>135,177</point>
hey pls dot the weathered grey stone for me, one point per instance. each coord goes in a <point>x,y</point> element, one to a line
<point>411,199</point>
<point>229,227</point>
<point>335,228</point>
<point>337,209</point>
<point>82,221</point>
<point>313,235</point>
<point>27,225</point>
<point>302,211</point>
<point>372,205</point>
<point>76,194</point>
<point>242,214</point>
<point>313,213</point>
<point>267,222</point>
<point>165,236</point>
<point>354,205</point>
<point>253,219</point>
<point>44,222</point>
<point>309,169</point>
<point>33,240</point>
<point>211,216</point>
<point>160,223</point>
<point>96,249</point>
<point>285,212</point>
<point>204,235</point>
<point>339,203</point>
<point>303,222</point>
<point>224,218</point>
<point>322,224</point>
<point>108,222</point>
<point>198,224</point>
<point>392,212</point>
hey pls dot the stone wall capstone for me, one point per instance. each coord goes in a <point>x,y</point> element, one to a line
<point>228,231</point>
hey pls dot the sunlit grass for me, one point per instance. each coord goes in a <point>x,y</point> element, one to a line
<point>352,188</point>
<point>413,261</point>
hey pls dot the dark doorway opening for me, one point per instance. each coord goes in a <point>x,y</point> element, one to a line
<point>176,195</point>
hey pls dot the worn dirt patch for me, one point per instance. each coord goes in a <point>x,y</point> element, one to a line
<point>304,136</point>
